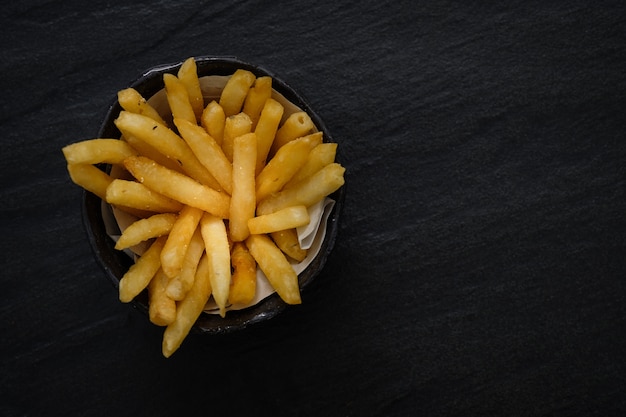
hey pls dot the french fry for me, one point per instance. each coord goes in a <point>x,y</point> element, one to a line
<point>243,201</point>
<point>213,119</point>
<point>138,276</point>
<point>218,254</point>
<point>132,101</point>
<point>287,241</point>
<point>236,125</point>
<point>307,192</point>
<point>166,142</point>
<point>255,100</point>
<point>178,98</point>
<point>145,229</point>
<point>276,267</point>
<point>320,156</point>
<point>173,254</point>
<point>287,161</point>
<point>243,283</point>
<point>235,91</point>
<point>297,124</point>
<point>136,195</point>
<point>181,283</point>
<point>266,130</point>
<point>287,218</point>
<point>188,310</point>
<point>149,151</point>
<point>90,178</point>
<point>98,151</point>
<point>178,186</point>
<point>188,75</point>
<point>208,152</point>
<point>161,308</point>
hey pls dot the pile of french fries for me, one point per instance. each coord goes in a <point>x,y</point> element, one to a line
<point>217,190</point>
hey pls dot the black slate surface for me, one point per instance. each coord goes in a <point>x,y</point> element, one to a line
<point>479,268</point>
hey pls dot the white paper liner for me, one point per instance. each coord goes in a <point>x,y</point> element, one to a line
<point>310,236</point>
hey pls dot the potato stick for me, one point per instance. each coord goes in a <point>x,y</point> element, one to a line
<point>243,201</point>
<point>178,186</point>
<point>276,267</point>
<point>136,195</point>
<point>243,283</point>
<point>266,130</point>
<point>98,151</point>
<point>144,229</point>
<point>318,158</point>
<point>235,91</point>
<point>161,308</point>
<point>306,193</point>
<point>173,254</point>
<point>236,125</point>
<point>287,218</point>
<point>138,276</point>
<point>90,178</point>
<point>179,285</point>
<point>255,100</point>
<point>218,254</point>
<point>287,241</point>
<point>148,151</point>
<point>178,98</point>
<point>132,101</point>
<point>208,152</point>
<point>167,142</point>
<point>287,161</point>
<point>188,75</point>
<point>213,119</point>
<point>297,124</point>
<point>188,310</point>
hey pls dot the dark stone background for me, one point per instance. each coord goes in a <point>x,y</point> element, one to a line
<point>479,268</point>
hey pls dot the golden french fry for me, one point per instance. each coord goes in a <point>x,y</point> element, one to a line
<point>255,100</point>
<point>173,254</point>
<point>235,91</point>
<point>161,308</point>
<point>217,249</point>
<point>307,192</point>
<point>178,98</point>
<point>188,75</point>
<point>276,267</point>
<point>181,283</point>
<point>188,310</point>
<point>235,125</point>
<point>138,276</point>
<point>297,124</point>
<point>90,178</point>
<point>287,241</point>
<point>243,201</point>
<point>243,283</point>
<point>287,218</point>
<point>145,229</point>
<point>132,101</point>
<point>212,120</point>
<point>136,195</point>
<point>149,151</point>
<point>178,186</point>
<point>208,152</point>
<point>266,130</point>
<point>320,156</point>
<point>97,151</point>
<point>287,161</point>
<point>166,142</point>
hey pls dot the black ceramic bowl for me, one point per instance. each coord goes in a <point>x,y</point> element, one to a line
<point>115,263</point>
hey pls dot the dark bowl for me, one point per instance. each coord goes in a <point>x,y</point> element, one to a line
<point>115,263</point>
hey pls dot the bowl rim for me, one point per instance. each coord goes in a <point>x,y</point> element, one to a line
<point>115,263</point>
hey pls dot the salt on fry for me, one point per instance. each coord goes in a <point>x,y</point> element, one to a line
<point>145,229</point>
<point>138,276</point>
